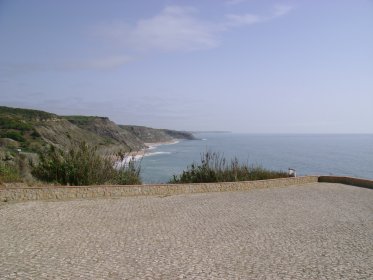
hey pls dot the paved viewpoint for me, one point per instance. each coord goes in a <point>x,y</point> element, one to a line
<point>314,231</point>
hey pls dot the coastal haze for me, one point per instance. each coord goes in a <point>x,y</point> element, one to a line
<point>234,65</point>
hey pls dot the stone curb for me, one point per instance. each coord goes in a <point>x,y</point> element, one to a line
<point>80,192</point>
<point>364,183</point>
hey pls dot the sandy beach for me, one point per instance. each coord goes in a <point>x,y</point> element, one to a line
<point>138,155</point>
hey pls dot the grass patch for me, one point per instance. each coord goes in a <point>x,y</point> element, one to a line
<point>9,173</point>
<point>215,168</point>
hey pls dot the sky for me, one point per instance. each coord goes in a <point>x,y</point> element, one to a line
<point>251,66</point>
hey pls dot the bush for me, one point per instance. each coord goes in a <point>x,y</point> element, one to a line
<point>215,168</point>
<point>9,173</point>
<point>82,165</point>
<point>15,135</point>
<point>128,174</point>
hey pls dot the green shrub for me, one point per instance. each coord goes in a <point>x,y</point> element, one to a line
<point>9,173</point>
<point>82,165</point>
<point>15,135</point>
<point>128,174</point>
<point>215,168</point>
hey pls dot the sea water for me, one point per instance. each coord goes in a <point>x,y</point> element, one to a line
<point>308,154</point>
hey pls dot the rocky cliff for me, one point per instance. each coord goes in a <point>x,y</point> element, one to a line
<point>32,130</point>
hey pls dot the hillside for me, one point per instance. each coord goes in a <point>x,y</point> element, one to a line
<point>110,133</point>
<point>19,128</point>
<point>152,135</point>
<point>33,130</point>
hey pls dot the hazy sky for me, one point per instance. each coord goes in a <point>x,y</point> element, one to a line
<point>247,66</point>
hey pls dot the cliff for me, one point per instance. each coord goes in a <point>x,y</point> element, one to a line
<point>152,135</point>
<point>33,130</point>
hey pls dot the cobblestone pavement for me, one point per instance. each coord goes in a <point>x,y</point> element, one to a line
<point>316,231</point>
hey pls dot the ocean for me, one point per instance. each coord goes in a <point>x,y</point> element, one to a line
<point>308,154</point>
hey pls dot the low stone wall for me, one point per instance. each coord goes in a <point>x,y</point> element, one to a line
<point>364,183</point>
<point>67,192</point>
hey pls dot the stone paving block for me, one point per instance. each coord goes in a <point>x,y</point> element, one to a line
<point>318,231</point>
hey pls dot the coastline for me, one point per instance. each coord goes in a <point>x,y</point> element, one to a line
<point>138,155</point>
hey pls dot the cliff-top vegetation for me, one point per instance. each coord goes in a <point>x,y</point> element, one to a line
<point>214,167</point>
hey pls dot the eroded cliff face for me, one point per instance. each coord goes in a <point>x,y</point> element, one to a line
<point>32,130</point>
<point>109,133</point>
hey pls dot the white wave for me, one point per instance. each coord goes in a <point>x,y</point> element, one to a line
<point>157,153</point>
<point>152,146</point>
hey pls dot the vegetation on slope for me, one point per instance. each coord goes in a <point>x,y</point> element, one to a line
<point>19,125</point>
<point>26,114</point>
<point>82,165</point>
<point>215,168</point>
